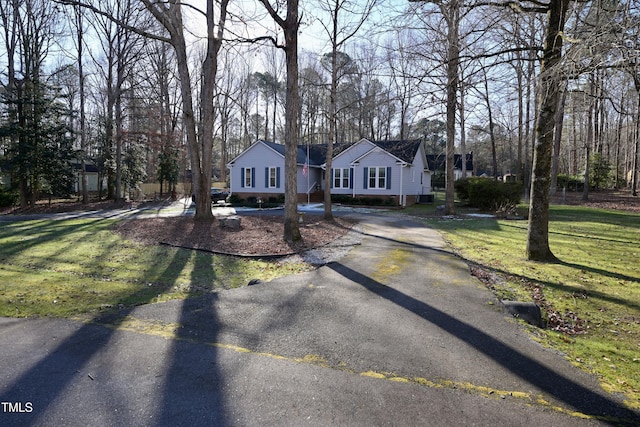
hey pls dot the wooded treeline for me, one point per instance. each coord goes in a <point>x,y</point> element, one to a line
<point>103,83</point>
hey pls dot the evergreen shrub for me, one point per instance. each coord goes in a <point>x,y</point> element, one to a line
<point>8,197</point>
<point>488,194</point>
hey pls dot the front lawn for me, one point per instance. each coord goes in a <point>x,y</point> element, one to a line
<point>68,267</point>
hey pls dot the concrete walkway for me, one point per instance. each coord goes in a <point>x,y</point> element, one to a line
<point>395,333</point>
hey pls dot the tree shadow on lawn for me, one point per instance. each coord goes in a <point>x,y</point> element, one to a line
<point>567,288</point>
<point>523,228</point>
<point>49,379</point>
<point>551,382</point>
<point>45,230</point>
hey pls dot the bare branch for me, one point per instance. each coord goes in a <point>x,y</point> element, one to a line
<point>117,21</point>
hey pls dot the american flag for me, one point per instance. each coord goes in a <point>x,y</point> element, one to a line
<point>305,168</point>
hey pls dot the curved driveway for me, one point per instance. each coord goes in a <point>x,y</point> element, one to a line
<point>395,333</point>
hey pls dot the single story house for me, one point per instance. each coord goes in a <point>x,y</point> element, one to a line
<point>259,171</point>
<point>396,170</point>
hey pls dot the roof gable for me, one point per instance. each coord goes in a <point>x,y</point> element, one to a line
<point>404,150</point>
<point>349,147</point>
<point>317,153</point>
<point>244,152</point>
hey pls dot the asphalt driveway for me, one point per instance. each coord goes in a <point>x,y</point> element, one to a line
<point>395,333</point>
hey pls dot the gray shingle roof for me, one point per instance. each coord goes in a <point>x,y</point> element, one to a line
<point>405,150</point>
<point>317,152</point>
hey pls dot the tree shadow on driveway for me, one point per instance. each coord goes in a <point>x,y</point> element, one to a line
<point>63,388</point>
<point>553,383</point>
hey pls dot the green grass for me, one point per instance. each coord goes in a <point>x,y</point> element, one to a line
<point>597,280</point>
<point>65,268</point>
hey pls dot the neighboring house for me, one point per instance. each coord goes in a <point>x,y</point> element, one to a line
<point>394,170</point>
<point>90,168</point>
<point>91,171</point>
<point>436,163</point>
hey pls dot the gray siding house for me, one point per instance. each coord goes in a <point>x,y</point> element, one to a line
<point>259,171</point>
<point>383,169</point>
<point>395,170</point>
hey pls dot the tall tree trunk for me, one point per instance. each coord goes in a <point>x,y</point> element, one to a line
<point>291,226</point>
<point>200,144</point>
<point>109,139</point>
<point>84,187</point>
<point>463,134</point>
<point>119,137</point>
<point>492,134</point>
<point>275,107</point>
<point>290,26</point>
<point>550,80</point>
<point>207,91</point>
<point>635,150</point>
<point>10,17</point>
<point>521,99</point>
<point>619,143</point>
<point>530,135</point>
<point>587,167</point>
<point>333,93</point>
<point>557,139</point>
<point>452,16</point>
<point>590,141</point>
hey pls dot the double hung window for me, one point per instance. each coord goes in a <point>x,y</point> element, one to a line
<point>341,178</point>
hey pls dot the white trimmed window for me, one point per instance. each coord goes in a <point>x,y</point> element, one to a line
<point>248,175</point>
<point>378,177</point>
<point>273,177</point>
<point>341,178</point>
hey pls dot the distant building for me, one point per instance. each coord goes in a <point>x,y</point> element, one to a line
<point>92,174</point>
<point>436,163</point>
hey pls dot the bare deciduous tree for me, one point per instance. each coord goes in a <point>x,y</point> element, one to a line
<point>340,30</point>
<point>290,25</point>
<point>199,138</point>
<point>550,82</point>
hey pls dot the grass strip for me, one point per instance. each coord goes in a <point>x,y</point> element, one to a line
<point>67,267</point>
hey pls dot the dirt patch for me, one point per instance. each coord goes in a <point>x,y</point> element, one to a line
<point>613,200</point>
<point>258,235</point>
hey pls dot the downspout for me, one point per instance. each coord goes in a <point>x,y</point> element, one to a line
<point>353,184</point>
<point>402,200</point>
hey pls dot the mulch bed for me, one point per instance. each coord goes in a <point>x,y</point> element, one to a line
<point>258,235</point>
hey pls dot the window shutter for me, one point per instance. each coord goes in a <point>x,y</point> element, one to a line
<point>266,177</point>
<point>278,177</point>
<point>366,178</point>
<point>242,177</point>
<point>389,178</point>
<point>351,178</point>
<point>332,178</point>
<point>253,177</point>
